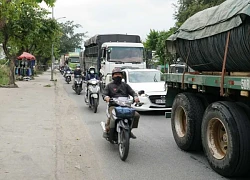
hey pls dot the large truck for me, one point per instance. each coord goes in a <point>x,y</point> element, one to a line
<point>74,59</point>
<point>211,106</point>
<point>107,51</point>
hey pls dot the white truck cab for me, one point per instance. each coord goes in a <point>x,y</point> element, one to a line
<point>120,54</point>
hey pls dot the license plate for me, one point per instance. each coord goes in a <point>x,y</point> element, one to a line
<point>160,101</point>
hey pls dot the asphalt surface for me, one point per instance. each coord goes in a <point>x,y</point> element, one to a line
<point>152,156</point>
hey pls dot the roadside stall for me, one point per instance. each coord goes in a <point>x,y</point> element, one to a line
<point>24,66</point>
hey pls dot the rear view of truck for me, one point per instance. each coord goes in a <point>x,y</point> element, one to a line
<point>211,106</point>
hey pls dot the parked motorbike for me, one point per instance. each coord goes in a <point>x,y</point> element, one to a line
<point>121,120</point>
<point>77,86</point>
<point>92,94</point>
<point>68,76</point>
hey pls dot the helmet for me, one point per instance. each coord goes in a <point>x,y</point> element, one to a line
<point>92,68</point>
<point>116,70</point>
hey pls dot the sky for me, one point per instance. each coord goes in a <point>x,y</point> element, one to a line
<point>116,16</point>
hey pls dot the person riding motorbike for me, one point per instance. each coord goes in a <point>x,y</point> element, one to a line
<point>118,89</point>
<point>66,68</point>
<point>78,70</point>
<point>91,74</point>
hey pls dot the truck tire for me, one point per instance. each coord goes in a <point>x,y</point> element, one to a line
<point>187,112</point>
<point>225,138</point>
<point>245,107</point>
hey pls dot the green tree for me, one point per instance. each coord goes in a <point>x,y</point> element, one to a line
<point>151,40</point>
<point>187,8</point>
<point>164,56</point>
<point>21,27</point>
<point>69,39</point>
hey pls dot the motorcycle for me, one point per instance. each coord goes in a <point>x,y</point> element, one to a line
<point>92,94</point>
<point>61,70</point>
<point>68,76</point>
<point>77,86</point>
<point>121,120</point>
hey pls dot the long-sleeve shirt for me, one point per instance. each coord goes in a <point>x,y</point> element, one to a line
<point>119,90</point>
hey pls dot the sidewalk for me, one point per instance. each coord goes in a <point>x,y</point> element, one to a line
<point>41,135</point>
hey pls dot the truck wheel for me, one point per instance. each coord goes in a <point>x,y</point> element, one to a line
<point>245,107</point>
<point>187,112</point>
<point>225,138</point>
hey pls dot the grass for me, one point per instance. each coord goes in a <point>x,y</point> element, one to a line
<point>48,85</point>
<point>4,75</point>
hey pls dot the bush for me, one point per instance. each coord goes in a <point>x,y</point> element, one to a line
<point>4,75</point>
<point>3,61</point>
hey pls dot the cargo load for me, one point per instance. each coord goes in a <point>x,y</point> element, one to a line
<point>201,41</point>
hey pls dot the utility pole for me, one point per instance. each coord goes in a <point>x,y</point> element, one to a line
<point>52,53</point>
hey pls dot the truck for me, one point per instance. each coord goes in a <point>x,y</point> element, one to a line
<point>73,59</point>
<point>107,51</point>
<point>211,106</point>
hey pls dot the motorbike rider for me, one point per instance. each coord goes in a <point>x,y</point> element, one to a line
<point>77,71</point>
<point>91,74</point>
<point>66,68</point>
<point>117,89</point>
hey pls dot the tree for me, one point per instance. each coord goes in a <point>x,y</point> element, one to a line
<point>22,26</point>
<point>187,8</point>
<point>151,40</point>
<point>69,39</point>
<point>161,51</point>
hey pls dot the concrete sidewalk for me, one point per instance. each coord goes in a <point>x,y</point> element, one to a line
<point>41,135</point>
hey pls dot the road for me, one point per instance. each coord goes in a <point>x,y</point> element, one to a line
<point>153,155</point>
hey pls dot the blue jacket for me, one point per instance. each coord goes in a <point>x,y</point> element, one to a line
<point>91,76</point>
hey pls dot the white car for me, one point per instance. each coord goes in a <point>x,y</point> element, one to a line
<point>149,87</point>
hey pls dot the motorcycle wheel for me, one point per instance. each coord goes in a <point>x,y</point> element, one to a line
<point>124,144</point>
<point>78,90</point>
<point>95,104</point>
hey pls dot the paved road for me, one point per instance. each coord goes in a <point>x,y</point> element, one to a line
<point>153,155</point>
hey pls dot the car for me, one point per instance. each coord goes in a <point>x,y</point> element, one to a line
<point>149,87</point>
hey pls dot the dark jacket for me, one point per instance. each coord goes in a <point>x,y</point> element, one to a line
<point>119,90</point>
<point>77,72</point>
<point>91,76</point>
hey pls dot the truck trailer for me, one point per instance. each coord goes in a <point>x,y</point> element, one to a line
<point>211,106</point>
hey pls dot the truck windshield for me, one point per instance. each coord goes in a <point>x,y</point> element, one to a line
<point>74,60</point>
<point>144,76</point>
<point>126,54</point>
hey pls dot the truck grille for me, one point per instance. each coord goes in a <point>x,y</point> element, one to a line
<point>158,99</point>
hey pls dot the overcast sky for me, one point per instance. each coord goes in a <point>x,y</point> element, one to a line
<point>117,16</point>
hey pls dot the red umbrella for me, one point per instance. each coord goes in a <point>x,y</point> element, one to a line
<point>27,56</point>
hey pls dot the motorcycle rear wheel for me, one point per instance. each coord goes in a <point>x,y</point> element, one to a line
<point>78,90</point>
<point>95,104</point>
<point>124,144</point>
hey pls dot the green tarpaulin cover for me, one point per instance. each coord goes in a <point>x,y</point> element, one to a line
<point>212,21</point>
